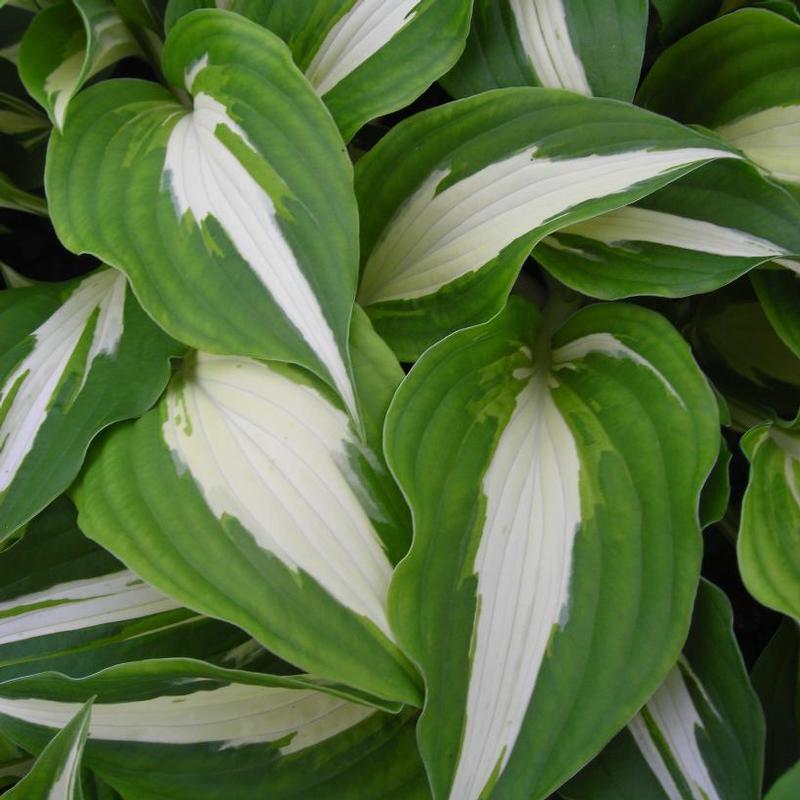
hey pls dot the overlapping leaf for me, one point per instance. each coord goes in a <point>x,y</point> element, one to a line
<point>769,539</point>
<point>67,44</point>
<point>693,236</point>
<point>587,47</point>
<point>558,466</point>
<point>56,773</point>
<point>701,735</point>
<point>96,359</point>
<point>23,312</point>
<point>247,495</point>
<point>744,73</point>
<point>174,729</point>
<point>229,213</point>
<point>558,551</point>
<point>443,238</point>
<point>365,58</point>
<point>69,606</point>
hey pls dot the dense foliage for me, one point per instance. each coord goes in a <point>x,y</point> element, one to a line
<point>399,399</point>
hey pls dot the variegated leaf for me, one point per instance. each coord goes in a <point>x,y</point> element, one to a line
<point>692,236</point>
<point>576,562</point>
<point>700,736</point>
<point>769,539</point>
<point>56,773</point>
<point>365,58</point>
<point>66,45</point>
<point>587,47</point>
<point>222,733</point>
<point>236,210</point>
<point>23,312</point>
<point>255,501</point>
<point>68,605</point>
<point>443,239</point>
<point>97,359</point>
<point>744,72</point>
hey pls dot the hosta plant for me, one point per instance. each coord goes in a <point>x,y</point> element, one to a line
<point>400,399</point>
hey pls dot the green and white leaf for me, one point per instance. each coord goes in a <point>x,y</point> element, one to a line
<point>255,501</point>
<point>68,43</point>
<point>575,563</point>
<point>23,312</point>
<point>587,47</point>
<point>695,235</point>
<point>365,58</point>
<point>69,606</point>
<point>769,538</point>
<point>56,773</point>
<point>222,733</point>
<point>443,239</point>
<point>744,73</point>
<point>98,359</point>
<point>233,211</point>
<point>701,735</point>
